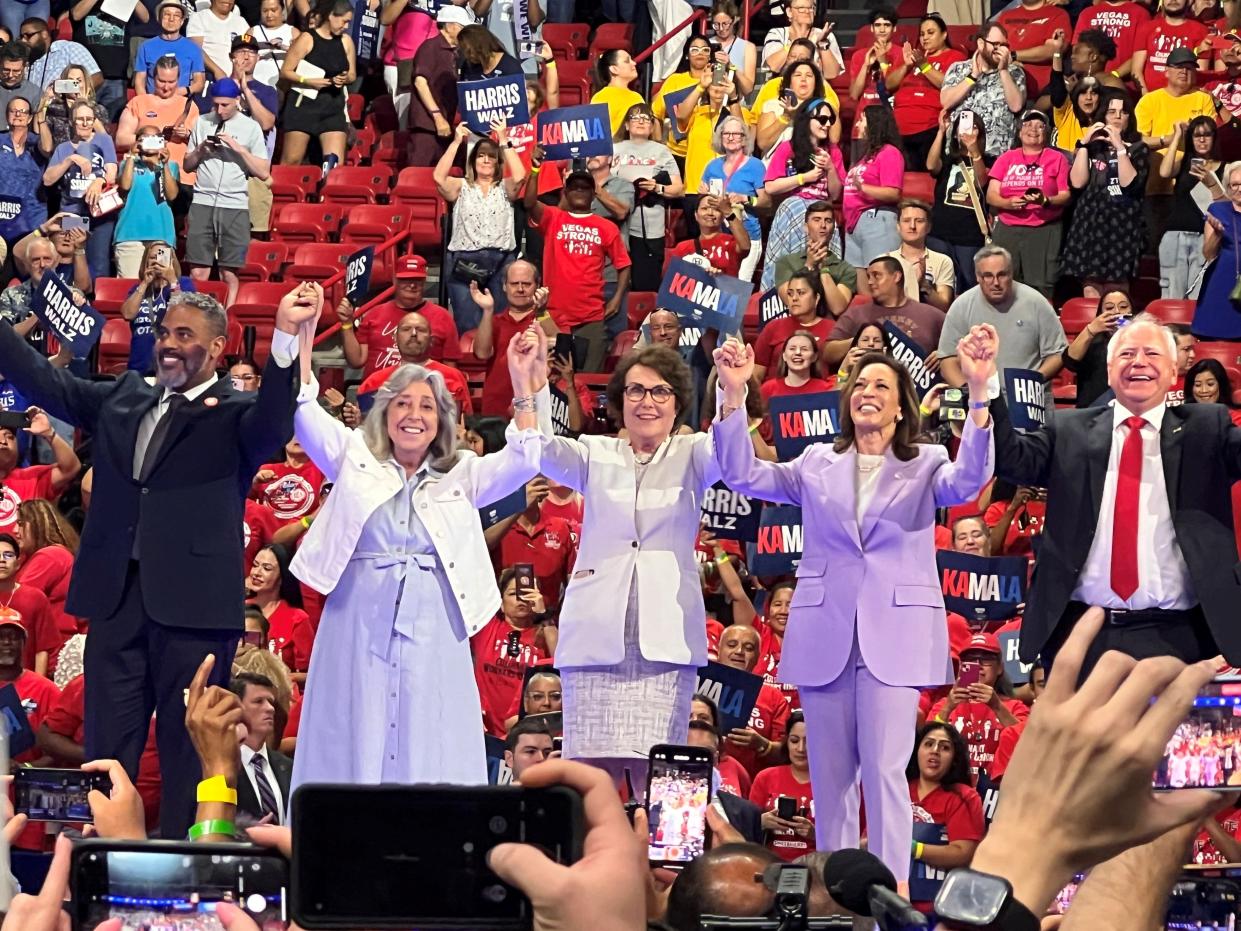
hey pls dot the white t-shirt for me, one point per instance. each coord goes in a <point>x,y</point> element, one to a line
<point>778,37</point>
<point>268,68</point>
<point>217,34</point>
<point>939,270</point>
<point>222,178</point>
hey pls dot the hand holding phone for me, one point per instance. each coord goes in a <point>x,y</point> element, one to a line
<point>57,794</point>
<point>678,790</point>
<point>969,675</point>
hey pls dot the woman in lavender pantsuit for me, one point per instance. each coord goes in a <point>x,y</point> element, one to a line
<point>859,647</point>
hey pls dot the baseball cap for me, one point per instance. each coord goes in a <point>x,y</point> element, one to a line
<point>581,176</point>
<point>988,643</point>
<point>224,87</point>
<point>1036,115</point>
<point>451,13</point>
<point>411,266</point>
<point>246,41</point>
<point>1182,58</point>
<point>7,619</point>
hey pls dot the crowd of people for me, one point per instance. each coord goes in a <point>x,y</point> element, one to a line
<point>495,541</point>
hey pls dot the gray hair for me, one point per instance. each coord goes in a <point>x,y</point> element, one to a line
<point>717,137</point>
<point>443,449</point>
<point>1137,320</point>
<point>991,252</point>
<point>208,306</point>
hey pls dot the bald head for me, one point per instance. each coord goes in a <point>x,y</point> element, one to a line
<point>721,882</point>
<point>413,337</point>
<point>739,647</point>
<point>665,328</point>
<point>521,280</point>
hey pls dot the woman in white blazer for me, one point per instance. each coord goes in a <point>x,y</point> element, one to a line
<point>398,550</point>
<point>633,625</point>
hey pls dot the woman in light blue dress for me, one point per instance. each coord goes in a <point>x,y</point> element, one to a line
<point>398,549</point>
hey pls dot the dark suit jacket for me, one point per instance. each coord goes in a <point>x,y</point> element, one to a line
<point>188,512</point>
<point>282,768</point>
<point>1201,452</point>
<point>743,815</point>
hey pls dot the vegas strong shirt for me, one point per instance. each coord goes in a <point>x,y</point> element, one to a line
<point>574,249</point>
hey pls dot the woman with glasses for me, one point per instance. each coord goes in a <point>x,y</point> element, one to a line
<point>632,624</point>
<point>695,62</point>
<point>740,177</point>
<point>730,48</point>
<point>84,166</point>
<point>656,179</point>
<point>873,188</point>
<point>1217,316</point>
<point>1192,159</point>
<point>801,14</point>
<point>806,168</point>
<point>915,82</point>
<point>21,173</point>
<point>160,278</point>
<point>150,181</point>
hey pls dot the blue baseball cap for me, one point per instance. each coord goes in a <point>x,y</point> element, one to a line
<point>224,87</point>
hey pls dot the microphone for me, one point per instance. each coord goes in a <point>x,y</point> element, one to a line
<point>860,882</point>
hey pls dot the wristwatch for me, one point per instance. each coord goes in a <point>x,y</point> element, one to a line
<point>972,901</point>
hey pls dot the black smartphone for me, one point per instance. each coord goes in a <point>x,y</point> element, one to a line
<point>565,348</point>
<point>431,875</point>
<point>678,791</point>
<point>786,807</point>
<point>523,577</point>
<point>56,794</point>
<point>1201,754</point>
<point>557,744</point>
<point>253,637</point>
<point>175,884</point>
<point>1200,903</point>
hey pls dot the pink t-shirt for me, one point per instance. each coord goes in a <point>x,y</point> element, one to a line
<point>1017,173</point>
<point>411,29</point>
<point>885,169</point>
<point>781,166</point>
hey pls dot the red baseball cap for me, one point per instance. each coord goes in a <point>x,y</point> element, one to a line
<point>10,619</point>
<point>411,266</point>
<point>988,643</point>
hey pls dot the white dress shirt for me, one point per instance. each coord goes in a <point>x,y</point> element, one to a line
<point>1163,577</point>
<point>247,757</point>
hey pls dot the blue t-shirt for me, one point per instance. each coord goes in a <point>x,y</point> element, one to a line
<point>142,327</point>
<point>22,195</point>
<point>747,180</point>
<point>146,217</point>
<point>188,55</point>
<point>75,181</point>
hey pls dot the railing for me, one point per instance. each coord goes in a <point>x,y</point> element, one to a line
<point>643,58</point>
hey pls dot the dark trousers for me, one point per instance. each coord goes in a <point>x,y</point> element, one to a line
<point>134,666</point>
<point>1183,634</point>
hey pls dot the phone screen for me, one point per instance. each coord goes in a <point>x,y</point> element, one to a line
<point>1209,904</point>
<point>1205,750</point>
<point>56,794</point>
<point>161,885</point>
<point>1064,898</point>
<point>523,575</point>
<point>677,794</point>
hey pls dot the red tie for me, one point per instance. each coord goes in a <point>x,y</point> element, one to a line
<point>1125,519</point>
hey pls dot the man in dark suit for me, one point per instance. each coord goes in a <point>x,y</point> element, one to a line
<point>263,784</point>
<point>1139,513</point>
<point>158,572</point>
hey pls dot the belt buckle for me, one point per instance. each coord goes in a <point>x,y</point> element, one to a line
<point>1117,615</point>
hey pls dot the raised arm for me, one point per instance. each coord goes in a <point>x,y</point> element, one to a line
<point>63,395</point>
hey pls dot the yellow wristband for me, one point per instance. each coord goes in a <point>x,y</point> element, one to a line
<point>970,80</point>
<point>550,64</point>
<point>924,67</point>
<point>754,429</point>
<point>918,848</point>
<point>301,79</point>
<point>305,522</point>
<point>800,179</point>
<point>346,326</point>
<point>923,410</point>
<point>535,170</point>
<point>720,560</point>
<point>216,789</point>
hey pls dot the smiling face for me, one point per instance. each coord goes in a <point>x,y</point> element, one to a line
<point>820,124</point>
<point>412,420</point>
<point>778,609</point>
<point>264,578</point>
<point>185,349</point>
<point>739,647</point>
<point>665,329</point>
<point>876,399</point>
<point>649,417</point>
<point>935,754</point>
<point>799,353</point>
<point>969,535</point>
<point>1206,388</point>
<point>1142,367</point>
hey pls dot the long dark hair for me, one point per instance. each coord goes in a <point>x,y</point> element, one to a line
<point>887,340</point>
<point>1130,134</point>
<point>904,441</point>
<point>290,589</point>
<point>816,285</point>
<point>603,74</point>
<point>952,144</point>
<point>881,130</point>
<point>1085,119</point>
<point>1216,368</point>
<point>1187,143</point>
<point>958,772</point>
<point>804,144</point>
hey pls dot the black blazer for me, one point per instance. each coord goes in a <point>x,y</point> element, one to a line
<point>1201,452</point>
<point>282,768</point>
<point>743,815</point>
<point>189,511</point>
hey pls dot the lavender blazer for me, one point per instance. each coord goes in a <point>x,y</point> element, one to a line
<point>879,577</point>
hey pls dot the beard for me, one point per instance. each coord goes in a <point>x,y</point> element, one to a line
<point>177,372</point>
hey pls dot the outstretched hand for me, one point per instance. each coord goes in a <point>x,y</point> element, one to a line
<point>527,360</point>
<point>734,365</point>
<point>302,304</point>
<point>976,354</point>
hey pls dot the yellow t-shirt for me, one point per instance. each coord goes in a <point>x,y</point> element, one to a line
<point>698,148</point>
<point>676,82</point>
<point>769,91</point>
<point>1068,129</point>
<point>619,100</point>
<point>1157,114</point>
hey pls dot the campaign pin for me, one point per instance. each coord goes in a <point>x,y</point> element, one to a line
<point>211,402</point>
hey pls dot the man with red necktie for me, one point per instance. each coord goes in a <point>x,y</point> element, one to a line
<point>1139,513</point>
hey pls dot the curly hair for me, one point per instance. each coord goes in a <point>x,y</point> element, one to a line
<point>45,526</point>
<point>958,772</point>
<point>665,362</point>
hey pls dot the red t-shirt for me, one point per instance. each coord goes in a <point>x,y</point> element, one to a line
<point>980,728</point>
<point>720,250</point>
<point>916,101</point>
<point>959,633</point>
<point>49,570</point>
<point>377,332</point>
<point>1120,21</point>
<point>770,343</point>
<point>453,380</point>
<point>550,545</point>
<point>769,785</point>
<point>779,388</point>
<point>34,611</point>
<point>38,695</point>
<point>498,672</point>
<point>574,249</point>
<point>956,811</point>
<point>1158,38</point>
<point>292,493</point>
<point>23,485</point>
<point>733,778</point>
<point>498,385</point>
<point>1028,29</point>
<point>894,59</point>
<point>770,718</point>
<point>282,623</point>
<point>1026,524</point>
<point>571,510</point>
<point>258,523</point>
<point>1204,848</point>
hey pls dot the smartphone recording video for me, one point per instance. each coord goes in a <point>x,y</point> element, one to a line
<point>1203,905</point>
<point>175,885</point>
<point>56,794</point>
<point>678,790</point>
<point>1205,750</point>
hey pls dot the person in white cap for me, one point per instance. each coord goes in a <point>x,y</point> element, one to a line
<point>433,106</point>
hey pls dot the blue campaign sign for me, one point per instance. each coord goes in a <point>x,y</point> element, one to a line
<point>982,588</point>
<point>924,879</point>
<point>560,412</point>
<point>79,328</point>
<point>507,506</point>
<point>1025,392</point>
<point>10,217</point>
<point>15,722</point>
<point>729,514</point>
<point>799,420</point>
<point>701,299</point>
<point>770,307</point>
<point>574,132</point>
<point>911,355</point>
<point>365,30</point>
<point>778,548</point>
<point>671,101</point>
<point>498,772</point>
<point>734,692</point>
<point>1010,650</point>
<point>358,275</point>
<point>493,100</point>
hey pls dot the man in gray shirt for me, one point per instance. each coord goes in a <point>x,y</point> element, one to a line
<point>1031,336</point>
<point>613,201</point>
<point>13,81</point>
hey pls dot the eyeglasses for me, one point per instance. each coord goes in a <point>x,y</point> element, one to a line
<point>31,35</point>
<point>7,556</point>
<point>722,23</point>
<point>994,276</point>
<point>13,113</point>
<point>84,120</point>
<point>997,44</point>
<point>660,394</point>
<point>1234,187</point>
<point>640,118</point>
<point>245,378</point>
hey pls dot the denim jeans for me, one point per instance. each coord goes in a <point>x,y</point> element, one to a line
<point>466,313</point>
<point>13,12</point>
<point>559,11</point>
<point>99,246</point>
<point>1180,263</point>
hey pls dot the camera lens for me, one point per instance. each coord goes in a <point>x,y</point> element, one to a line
<point>495,893</point>
<point>498,824</point>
